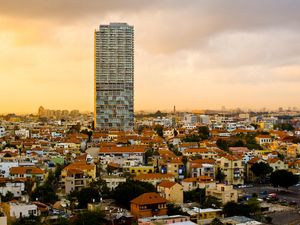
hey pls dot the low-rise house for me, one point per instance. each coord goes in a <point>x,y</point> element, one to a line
<point>155,178</point>
<point>112,181</point>
<point>192,183</point>
<point>225,193</point>
<point>165,220</point>
<point>28,172</point>
<point>201,167</point>
<point>138,170</point>
<point>263,139</point>
<point>277,164</point>
<point>148,205</point>
<point>16,210</point>
<point>171,191</point>
<point>126,156</point>
<point>204,216</point>
<point>204,153</point>
<point>15,186</point>
<point>5,167</point>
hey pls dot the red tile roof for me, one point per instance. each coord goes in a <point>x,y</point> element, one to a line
<point>148,199</point>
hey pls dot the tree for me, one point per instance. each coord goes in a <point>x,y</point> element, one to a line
<point>192,138</point>
<point>212,202</point>
<point>44,194</point>
<point>159,130</point>
<point>216,221</point>
<point>222,144</point>
<point>175,133</point>
<point>253,205</point>
<point>8,197</point>
<point>89,218</point>
<point>239,143</point>
<point>31,220</point>
<point>243,209</point>
<point>129,190</point>
<point>220,176</point>
<point>101,186</point>
<point>88,133</point>
<point>203,132</point>
<point>261,170</point>
<point>174,210</point>
<point>197,195</point>
<point>87,195</point>
<point>283,178</point>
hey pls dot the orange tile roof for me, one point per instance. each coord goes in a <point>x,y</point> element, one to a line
<point>253,160</point>
<point>153,176</point>
<point>167,184</point>
<point>273,160</point>
<point>80,165</point>
<point>190,179</point>
<point>230,157</point>
<point>74,171</point>
<point>123,149</point>
<point>26,170</point>
<point>148,199</point>
<point>208,161</point>
<point>263,136</point>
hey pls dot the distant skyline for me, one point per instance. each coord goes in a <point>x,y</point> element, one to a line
<point>192,54</point>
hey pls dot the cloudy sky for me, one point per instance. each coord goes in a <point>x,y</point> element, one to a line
<point>195,54</point>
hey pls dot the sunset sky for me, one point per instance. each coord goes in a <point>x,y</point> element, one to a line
<point>190,53</point>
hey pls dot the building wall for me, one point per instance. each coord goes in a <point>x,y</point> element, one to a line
<point>225,193</point>
<point>23,210</point>
<point>138,213</point>
<point>173,194</point>
<point>234,171</point>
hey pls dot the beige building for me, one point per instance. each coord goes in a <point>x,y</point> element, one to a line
<point>171,191</point>
<point>225,193</point>
<point>77,176</point>
<point>277,164</point>
<point>233,169</point>
<point>75,180</point>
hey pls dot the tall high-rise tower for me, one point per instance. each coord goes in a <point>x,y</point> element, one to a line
<point>114,80</point>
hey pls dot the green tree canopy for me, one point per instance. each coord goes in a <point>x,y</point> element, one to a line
<point>129,190</point>
<point>220,176</point>
<point>85,196</point>
<point>261,169</point>
<point>283,178</point>
<point>222,144</point>
<point>203,132</point>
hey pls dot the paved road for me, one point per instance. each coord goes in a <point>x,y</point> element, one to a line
<point>292,194</point>
<point>282,218</point>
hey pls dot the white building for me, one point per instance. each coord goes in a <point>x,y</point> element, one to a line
<point>22,133</point>
<point>2,132</point>
<point>15,187</point>
<point>18,209</point>
<point>123,156</point>
<point>190,119</point>
<point>5,167</point>
<point>204,119</point>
